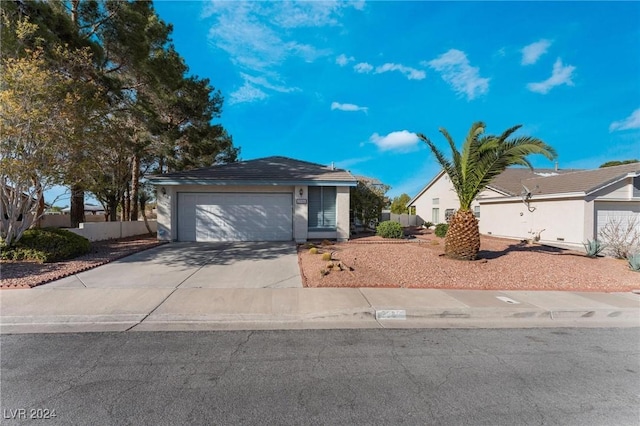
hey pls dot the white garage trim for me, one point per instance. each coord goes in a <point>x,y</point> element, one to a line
<point>235,216</point>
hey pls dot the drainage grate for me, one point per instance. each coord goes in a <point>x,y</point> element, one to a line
<point>507,300</point>
<point>397,314</point>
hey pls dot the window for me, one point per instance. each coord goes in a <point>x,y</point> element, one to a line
<point>636,186</point>
<point>435,201</point>
<point>476,211</point>
<point>435,215</point>
<point>448,214</point>
<point>322,207</point>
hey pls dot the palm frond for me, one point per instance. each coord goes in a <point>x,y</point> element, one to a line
<point>447,165</point>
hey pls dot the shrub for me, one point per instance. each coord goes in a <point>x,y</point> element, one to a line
<point>593,248</point>
<point>389,229</point>
<point>326,243</point>
<point>47,245</point>
<point>313,250</point>
<point>634,262</point>
<point>441,230</point>
<point>428,224</point>
<point>326,256</point>
<point>621,237</point>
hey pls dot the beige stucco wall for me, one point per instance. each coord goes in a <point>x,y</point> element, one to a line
<point>556,221</point>
<point>447,199</point>
<point>168,223</point>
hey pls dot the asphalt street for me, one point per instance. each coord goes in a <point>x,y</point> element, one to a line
<point>564,376</point>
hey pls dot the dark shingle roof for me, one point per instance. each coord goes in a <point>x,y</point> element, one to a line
<point>265,170</point>
<point>584,181</point>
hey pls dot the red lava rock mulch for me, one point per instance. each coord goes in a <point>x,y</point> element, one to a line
<point>503,264</point>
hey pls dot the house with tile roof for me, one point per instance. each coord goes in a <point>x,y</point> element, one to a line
<point>565,207</point>
<point>266,199</point>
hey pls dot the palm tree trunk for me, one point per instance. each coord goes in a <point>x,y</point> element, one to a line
<point>463,237</point>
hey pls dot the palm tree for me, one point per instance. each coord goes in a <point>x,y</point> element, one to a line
<point>483,157</point>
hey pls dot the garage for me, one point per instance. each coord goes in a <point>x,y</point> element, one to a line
<point>235,216</point>
<point>626,215</point>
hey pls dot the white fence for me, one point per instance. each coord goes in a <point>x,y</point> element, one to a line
<point>64,220</point>
<point>406,219</point>
<point>99,231</point>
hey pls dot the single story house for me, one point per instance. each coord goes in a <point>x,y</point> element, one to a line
<point>267,199</point>
<point>551,206</point>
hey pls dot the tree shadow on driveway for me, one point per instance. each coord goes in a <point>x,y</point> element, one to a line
<point>216,253</point>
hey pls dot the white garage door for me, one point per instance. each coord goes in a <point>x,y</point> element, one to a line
<point>235,217</point>
<point>625,215</point>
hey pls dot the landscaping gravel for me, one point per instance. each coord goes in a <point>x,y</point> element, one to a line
<point>31,274</point>
<point>503,265</point>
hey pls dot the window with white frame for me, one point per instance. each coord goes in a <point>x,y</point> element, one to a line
<point>435,215</point>
<point>476,211</point>
<point>448,214</point>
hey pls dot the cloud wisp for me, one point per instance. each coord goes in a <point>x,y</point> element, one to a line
<point>260,36</point>
<point>348,107</point>
<point>629,123</point>
<point>343,60</point>
<point>410,73</point>
<point>560,75</point>
<point>532,52</point>
<point>401,141</point>
<point>456,70</point>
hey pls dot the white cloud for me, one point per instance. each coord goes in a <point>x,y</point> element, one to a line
<point>263,82</point>
<point>403,141</point>
<point>363,68</point>
<point>343,60</point>
<point>348,107</point>
<point>631,122</point>
<point>459,74</point>
<point>560,75</point>
<point>247,93</point>
<point>260,36</point>
<point>345,164</point>
<point>532,52</point>
<point>410,73</point>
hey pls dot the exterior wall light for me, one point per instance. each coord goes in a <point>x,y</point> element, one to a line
<point>301,192</point>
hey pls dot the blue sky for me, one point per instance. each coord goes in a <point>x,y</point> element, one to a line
<point>352,82</point>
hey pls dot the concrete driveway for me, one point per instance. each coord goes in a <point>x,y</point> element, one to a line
<point>197,265</point>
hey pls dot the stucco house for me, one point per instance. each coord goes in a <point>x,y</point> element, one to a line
<point>565,207</point>
<point>266,199</point>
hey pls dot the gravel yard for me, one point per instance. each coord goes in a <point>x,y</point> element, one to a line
<point>31,274</point>
<point>503,265</point>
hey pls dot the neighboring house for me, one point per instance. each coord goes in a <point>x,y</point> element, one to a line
<point>88,209</point>
<point>552,206</point>
<point>267,199</point>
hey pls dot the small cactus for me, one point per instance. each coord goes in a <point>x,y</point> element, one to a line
<point>313,250</point>
<point>326,256</point>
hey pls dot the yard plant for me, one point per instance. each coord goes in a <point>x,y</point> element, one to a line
<point>389,229</point>
<point>482,158</point>
<point>46,245</point>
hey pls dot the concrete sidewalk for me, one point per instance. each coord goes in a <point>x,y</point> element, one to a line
<point>70,309</point>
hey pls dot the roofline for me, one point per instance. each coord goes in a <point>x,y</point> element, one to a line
<point>535,197</point>
<point>219,182</point>
<point>613,181</point>
<point>423,190</point>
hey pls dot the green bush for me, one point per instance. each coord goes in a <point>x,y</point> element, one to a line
<point>428,224</point>
<point>441,230</point>
<point>389,229</point>
<point>46,245</point>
